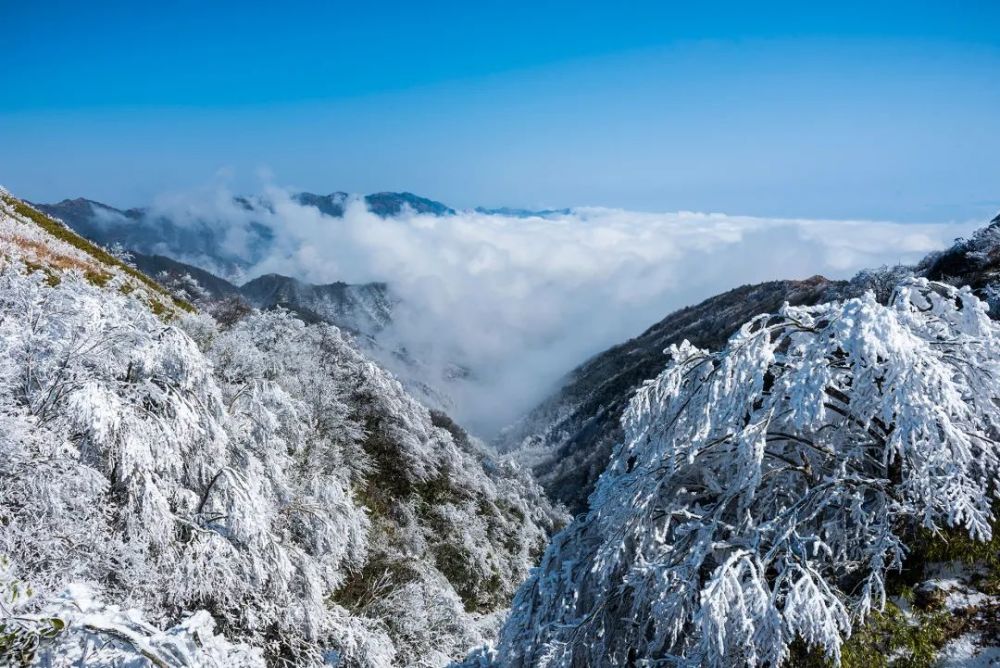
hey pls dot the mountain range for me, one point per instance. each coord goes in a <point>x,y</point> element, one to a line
<point>744,474</point>
<point>567,438</point>
<point>362,310</point>
<point>196,236</point>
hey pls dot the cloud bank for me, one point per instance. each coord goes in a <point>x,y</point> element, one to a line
<point>520,301</point>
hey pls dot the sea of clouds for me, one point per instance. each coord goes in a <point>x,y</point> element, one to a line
<point>520,301</point>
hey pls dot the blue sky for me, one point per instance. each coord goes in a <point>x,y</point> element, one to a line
<point>868,110</point>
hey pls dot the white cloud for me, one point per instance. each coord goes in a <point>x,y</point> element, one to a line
<point>521,301</point>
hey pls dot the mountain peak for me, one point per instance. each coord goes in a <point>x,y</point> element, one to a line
<point>385,204</point>
<point>81,204</point>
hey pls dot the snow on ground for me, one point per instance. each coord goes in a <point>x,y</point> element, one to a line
<point>967,651</point>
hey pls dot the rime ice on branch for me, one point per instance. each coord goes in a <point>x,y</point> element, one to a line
<point>762,493</point>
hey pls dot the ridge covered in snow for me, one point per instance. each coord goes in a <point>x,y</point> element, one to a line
<point>182,492</point>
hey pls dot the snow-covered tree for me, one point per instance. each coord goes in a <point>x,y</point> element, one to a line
<point>260,491</point>
<point>183,286</point>
<point>762,493</point>
<point>75,630</point>
<point>881,281</point>
<point>123,254</point>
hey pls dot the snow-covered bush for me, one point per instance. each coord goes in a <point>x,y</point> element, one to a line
<point>118,251</point>
<point>763,493</point>
<point>881,281</point>
<point>76,630</point>
<point>183,286</point>
<point>263,477</point>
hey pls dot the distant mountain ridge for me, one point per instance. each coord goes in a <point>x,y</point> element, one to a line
<point>363,309</point>
<point>143,230</point>
<point>514,212</point>
<point>385,204</point>
<point>198,248</point>
<point>198,239</point>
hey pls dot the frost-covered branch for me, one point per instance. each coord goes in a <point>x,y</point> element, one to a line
<point>762,493</point>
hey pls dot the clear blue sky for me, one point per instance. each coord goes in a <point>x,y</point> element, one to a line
<point>837,109</point>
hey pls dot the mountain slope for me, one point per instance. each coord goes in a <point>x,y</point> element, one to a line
<point>157,265</point>
<point>361,309</point>
<point>265,473</point>
<point>974,262</point>
<point>49,246</point>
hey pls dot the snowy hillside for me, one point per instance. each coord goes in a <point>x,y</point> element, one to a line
<point>209,495</point>
<point>187,481</point>
<point>362,311</point>
<point>974,261</point>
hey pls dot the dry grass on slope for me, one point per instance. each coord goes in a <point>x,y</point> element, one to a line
<point>45,244</point>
